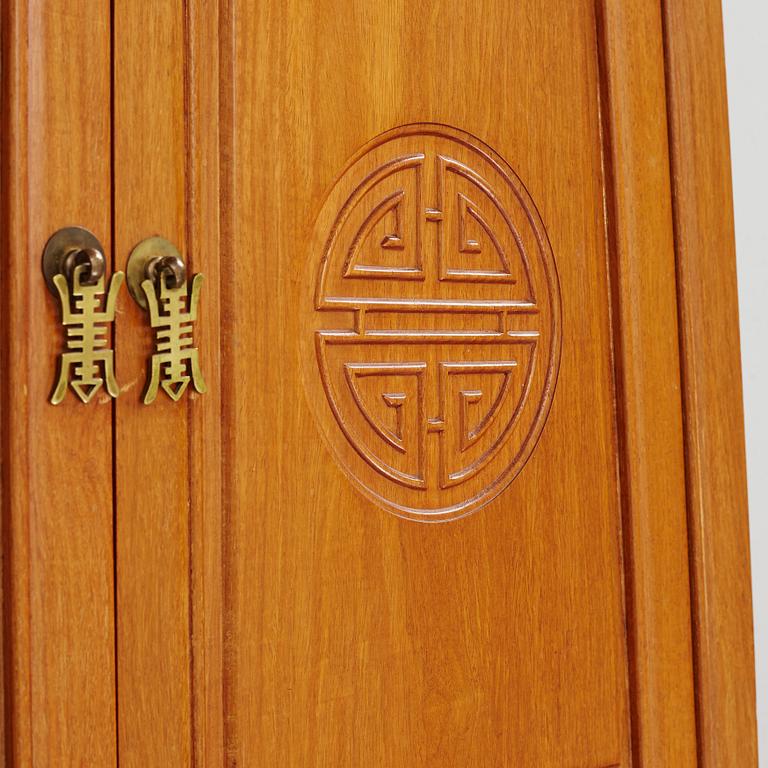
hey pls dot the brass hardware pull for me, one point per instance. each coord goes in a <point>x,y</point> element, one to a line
<point>157,280</point>
<point>74,267</point>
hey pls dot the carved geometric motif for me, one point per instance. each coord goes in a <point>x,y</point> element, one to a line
<point>433,331</point>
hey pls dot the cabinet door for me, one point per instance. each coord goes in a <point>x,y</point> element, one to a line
<point>432,510</point>
<point>424,552</point>
<point>57,529</point>
<point>424,562</point>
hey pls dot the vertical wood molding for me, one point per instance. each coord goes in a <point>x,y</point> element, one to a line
<point>14,406</point>
<point>58,559</point>
<point>641,252</point>
<point>169,544</point>
<point>154,612</point>
<point>711,367</point>
<point>228,434</point>
<point>205,254</point>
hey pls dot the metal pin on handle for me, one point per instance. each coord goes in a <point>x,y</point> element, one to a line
<point>169,268</point>
<point>93,258</point>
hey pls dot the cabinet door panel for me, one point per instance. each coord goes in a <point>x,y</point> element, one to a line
<point>432,510</point>
<point>360,637</point>
<point>59,646</point>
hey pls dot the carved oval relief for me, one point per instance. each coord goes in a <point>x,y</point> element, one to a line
<point>433,332</point>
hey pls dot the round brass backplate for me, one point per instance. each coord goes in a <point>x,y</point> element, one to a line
<point>141,255</point>
<point>61,244</point>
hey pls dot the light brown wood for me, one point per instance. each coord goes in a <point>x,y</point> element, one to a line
<point>336,174</point>
<point>647,363</point>
<point>359,638</point>
<point>714,418</point>
<point>204,206</point>
<point>169,536</point>
<point>57,461</point>
<point>154,646</point>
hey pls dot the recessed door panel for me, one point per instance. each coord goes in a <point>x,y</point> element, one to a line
<point>424,550</point>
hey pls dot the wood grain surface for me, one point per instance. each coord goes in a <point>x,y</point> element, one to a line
<point>649,407</point>
<point>711,367</point>
<point>261,599</point>
<point>151,442</point>
<point>169,568</point>
<point>57,461</point>
<point>358,638</point>
<point>206,254</point>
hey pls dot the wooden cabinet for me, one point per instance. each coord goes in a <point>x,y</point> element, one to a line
<point>467,484</point>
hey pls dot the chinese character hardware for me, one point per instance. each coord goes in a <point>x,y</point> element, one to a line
<point>74,265</point>
<point>157,281</point>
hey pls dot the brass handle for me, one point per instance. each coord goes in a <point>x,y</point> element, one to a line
<point>157,280</point>
<point>74,267</point>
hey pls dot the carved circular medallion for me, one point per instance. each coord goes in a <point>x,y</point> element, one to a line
<point>432,336</point>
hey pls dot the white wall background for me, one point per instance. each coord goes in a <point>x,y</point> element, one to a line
<point>746,56</point>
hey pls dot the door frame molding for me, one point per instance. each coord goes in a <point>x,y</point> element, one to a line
<point>641,260</point>
<point>667,131</point>
<point>700,170</point>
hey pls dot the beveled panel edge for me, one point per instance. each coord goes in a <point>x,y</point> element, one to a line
<point>718,522</point>
<point>649,409</point>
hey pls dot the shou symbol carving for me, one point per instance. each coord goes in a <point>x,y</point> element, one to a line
<point>435,323</point>
<point>73,266</point>
<point>157,280</point>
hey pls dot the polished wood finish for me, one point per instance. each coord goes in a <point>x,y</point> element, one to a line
<point>711,376</point>
<point>647,369</point>
<point>151,442</point>
<point>206,253</point>
<point>58,566</point>
<point>168,491</point>
<point>360,638</point>
<point>268,608</point>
